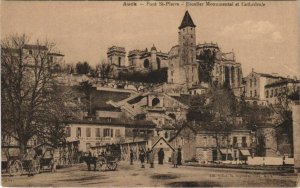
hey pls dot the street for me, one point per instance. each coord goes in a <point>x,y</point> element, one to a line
<point>165,176</point>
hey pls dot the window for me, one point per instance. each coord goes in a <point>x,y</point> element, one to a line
<point>250,82</point>
<point>78,132</point>
<point>30,52</point>
<point>271,93</point>
<point>205,141</point>
<point>275,93</point>
<point>155,101</point>
<point>166,135</point>
<point>267,94</point>
<point>255,93</point>
<point>172,72</point>
<point>68,131</point>
<point>118,133</point>
<point>244,143</point>
<point>88,132</point>
<point>97,132</point>
<point>106,132</point>
<point>146,63</point>
<point>250,93</point>
<point>254,81</point>
<point>234,142</point>
<point>119,62</point>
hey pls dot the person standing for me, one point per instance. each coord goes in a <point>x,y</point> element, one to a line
<point>147,155</point>
<point>179,157</point>
<point>151,158</point>
<point>174,158</point>
<point>161,156</point>
<point>131,157</point>
<point>142,157</point>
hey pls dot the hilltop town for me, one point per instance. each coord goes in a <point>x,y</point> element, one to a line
<point>194,97</point>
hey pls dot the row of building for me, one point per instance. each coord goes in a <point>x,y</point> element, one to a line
<point>155,115</point>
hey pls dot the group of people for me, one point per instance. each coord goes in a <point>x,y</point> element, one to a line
<point>149,156</point>
<point>176,157</point>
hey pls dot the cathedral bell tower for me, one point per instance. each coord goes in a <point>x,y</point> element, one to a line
<point>187,49</point>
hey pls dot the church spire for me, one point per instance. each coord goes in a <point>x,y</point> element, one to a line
<point>187,21</point>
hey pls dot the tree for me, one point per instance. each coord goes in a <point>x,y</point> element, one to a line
<point>104,70</point>
<point>283,111</point>
<point>83,68</point>
<point>87,87</point>
<point>216,104</point>
<point>214,112</point>
<point>206,65</point>
<point>30,93</point>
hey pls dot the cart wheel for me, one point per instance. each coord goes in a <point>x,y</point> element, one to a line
<point>16,168</point>
<point>112,165</point>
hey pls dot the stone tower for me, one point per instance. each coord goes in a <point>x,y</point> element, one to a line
<point>116,56</point>
<point>153,60</point>
<point>187,49</point>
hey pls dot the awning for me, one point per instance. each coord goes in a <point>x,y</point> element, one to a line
<point>225,151</point>
<point>245,152</point>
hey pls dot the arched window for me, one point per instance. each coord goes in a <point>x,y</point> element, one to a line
<point>146,63</point>
<point>158,63</point>
<point>119,61</point>
<point>155,101</point>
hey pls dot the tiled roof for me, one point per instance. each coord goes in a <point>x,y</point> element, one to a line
<point>100,99</point>
<point>269,75</point>
<point>185,99</point>
<point>187,21</point>
<point>56,54</point>
<point>115,122</point>
<point>35,47</point>
<point>281,82</point>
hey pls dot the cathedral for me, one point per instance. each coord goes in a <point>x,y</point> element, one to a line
<point>183,60</point>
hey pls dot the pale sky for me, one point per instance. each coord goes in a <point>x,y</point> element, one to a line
<point>263,38</point>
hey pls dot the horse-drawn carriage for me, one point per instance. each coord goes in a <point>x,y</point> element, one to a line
<point>106,161</point>
<point>48,155</point>
<point>47,161</point>
<point>19,164</point>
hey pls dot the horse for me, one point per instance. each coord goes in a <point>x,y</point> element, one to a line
<point>89,160</point>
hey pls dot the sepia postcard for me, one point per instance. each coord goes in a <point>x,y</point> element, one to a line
<point>150,93</point>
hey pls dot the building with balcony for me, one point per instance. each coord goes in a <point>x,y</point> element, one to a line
<point>107,131</point>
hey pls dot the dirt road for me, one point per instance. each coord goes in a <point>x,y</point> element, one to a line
<point>134,176</point>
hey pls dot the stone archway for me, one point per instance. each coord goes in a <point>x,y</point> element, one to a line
<point>146,63</point>
<point>158,63</point>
